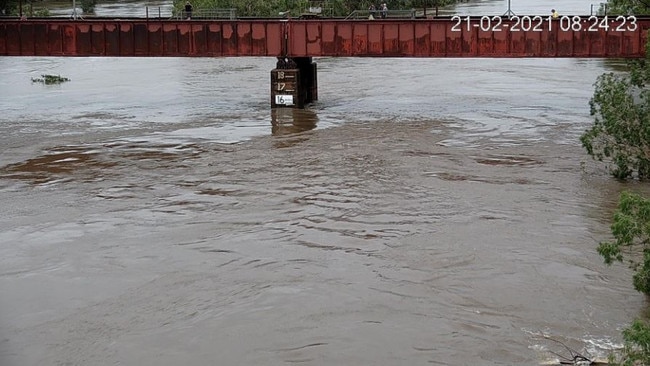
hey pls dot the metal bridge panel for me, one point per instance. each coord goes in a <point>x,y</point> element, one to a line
<point>375,45</point>
<point>470,42</point>
<point>229,39</point>
<point>383,38</point>
<point>83,40</point>
<point>97,40</point>
<point>314,38</point>
<point>517,43</point>
<point>406,36</point>
<point>140,39</point>
<point>500,44</point>
<point>14,42</point>
<point>297,38</point>
<point>214,39</point>
<point>258,39</point>
<point>391,39</point>
<point>565,44</point>
<point>343,39</point>
<point>184,34</point>
<point>630,43</point>
<point>614,38</point>
<point>111,39</point>
<point>643,35</point>
<point>549,42</point>
<point>55,40</point>
<point>27,40</point>
<point>170,40</point>
<point>244,38</point>
<point>330,38</point>
<point>613,44</point>
<point>155,42</point>
<point>126,39</point>
<point>274,38</point>
<point>454,44</point>
<point>532,44</point>
<point>40,39</point>
<point>422,39</point>
<point>328,35</point>
<point>580,44</point>
<point>360,40</point>
<point>69,43</point>
<point>596,44</point>
<point>196,44</point>
<point>485,42</point>
<point>439,39</point>
<point>3,39</point>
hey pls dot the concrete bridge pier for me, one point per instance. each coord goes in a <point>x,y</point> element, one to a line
<point>294,82</point>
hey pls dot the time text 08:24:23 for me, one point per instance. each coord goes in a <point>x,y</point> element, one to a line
<point>539,23</point>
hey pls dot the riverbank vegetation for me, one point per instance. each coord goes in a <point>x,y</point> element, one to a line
<point>243,8</point>
<point>620,135</point>
<point>334,8</point>
<point>41,8</point>
<point>620,138</point>
<point>631,231</point>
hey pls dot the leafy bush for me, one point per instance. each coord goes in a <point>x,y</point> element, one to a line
<point>271,8</point>
<point>621,131</point>
<point>636,351</point>
<point>88,6</point>
<point>631,229</point>
<point>42,13</point>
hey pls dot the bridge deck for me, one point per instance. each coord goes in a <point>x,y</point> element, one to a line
<point>493,36</point>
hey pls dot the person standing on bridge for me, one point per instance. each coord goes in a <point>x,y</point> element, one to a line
<point>188,10</point>
<point>384,10</point>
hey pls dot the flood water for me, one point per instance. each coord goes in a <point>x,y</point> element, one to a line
<point>423,211</point>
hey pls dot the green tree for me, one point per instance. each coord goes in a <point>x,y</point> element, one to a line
<point>9,7</point>
<point>620,135</point>
<point>626,7</point>
<point>271,8</point>
<point>29,8</point>
<point>637,344</point>
<point>631,230</point>
<point>88,6</point>
<point>266,8</point>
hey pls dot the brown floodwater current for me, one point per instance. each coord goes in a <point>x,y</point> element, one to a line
<point>423,211</point>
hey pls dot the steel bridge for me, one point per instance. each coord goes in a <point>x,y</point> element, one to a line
<point>295,41</point>
<point>487,36</point>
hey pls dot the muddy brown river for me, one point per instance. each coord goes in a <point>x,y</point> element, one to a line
<point>423,211</point>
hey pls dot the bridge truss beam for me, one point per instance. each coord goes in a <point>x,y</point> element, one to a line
<point>440,37</point>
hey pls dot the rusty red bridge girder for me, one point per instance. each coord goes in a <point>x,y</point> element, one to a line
<point>612,37</point>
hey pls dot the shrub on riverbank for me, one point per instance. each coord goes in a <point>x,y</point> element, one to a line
<point>620,137</point>
<point>631,230</point>
<point>334,8</point>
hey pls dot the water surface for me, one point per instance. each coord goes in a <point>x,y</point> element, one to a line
<point>423,211</point>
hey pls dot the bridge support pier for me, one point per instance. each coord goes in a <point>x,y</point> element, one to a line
<point>294,82</point>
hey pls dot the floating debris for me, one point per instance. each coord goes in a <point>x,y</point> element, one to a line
<point>50,79</point>
<point>570,356</point>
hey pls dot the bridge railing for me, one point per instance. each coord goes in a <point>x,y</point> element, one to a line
<point>377,14</point>
<point>200,13</point>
